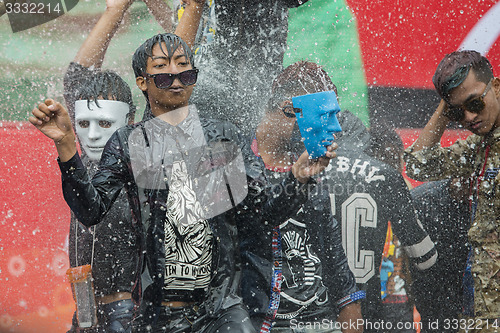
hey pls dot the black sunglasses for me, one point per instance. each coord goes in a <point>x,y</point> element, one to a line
<point>290,111</point>
<point>476,105</point>
<point>165,80</point>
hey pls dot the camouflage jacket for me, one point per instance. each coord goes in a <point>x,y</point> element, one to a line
<point>479,158</point>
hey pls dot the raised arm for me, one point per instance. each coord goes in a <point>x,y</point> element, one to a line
<point>92,51</point>
<point>88,199</point>
<point>161,12</point>
<point>190,20</point>
<point>433,131</point>
<point>305,168</point>
<point>3,10</point>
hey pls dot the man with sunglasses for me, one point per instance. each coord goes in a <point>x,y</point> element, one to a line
<point>192,185</point>
<point>99,102</point>
<point>470,95</point>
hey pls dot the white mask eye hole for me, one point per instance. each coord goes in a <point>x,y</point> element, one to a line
<point>83,123</point>
<point>105,123</point>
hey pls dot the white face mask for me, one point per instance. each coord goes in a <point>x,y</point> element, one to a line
<point>94,125</point>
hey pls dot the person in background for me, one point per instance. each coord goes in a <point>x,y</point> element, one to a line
<point>386,146</point>
<point>365,195</point>
<point>470,95</point>
<point>395,277</point>
<point>99,102</point>
<point>318,290</point>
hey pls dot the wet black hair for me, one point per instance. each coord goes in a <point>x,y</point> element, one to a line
<point>106,85</point>
<point>145,51</point>
<point>454,68</point>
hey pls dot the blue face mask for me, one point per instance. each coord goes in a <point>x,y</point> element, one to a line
<point>317,121</point>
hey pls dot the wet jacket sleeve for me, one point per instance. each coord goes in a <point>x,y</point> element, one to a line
<point>414,239</point>
<point>91,199</point>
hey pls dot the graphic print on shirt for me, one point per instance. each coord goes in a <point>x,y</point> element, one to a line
<point>302,284</point>
<point>188,237</point>
<point>358,211</point>
<point>392,270</point>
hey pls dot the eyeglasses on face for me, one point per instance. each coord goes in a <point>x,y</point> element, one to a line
<point>165,80</point>
<point>475,105</point>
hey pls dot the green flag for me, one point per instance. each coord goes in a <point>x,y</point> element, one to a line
<point>325,32</point>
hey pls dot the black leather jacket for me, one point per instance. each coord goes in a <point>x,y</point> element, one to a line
<point>91,199</point>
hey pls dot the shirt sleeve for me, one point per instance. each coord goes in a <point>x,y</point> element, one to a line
<point>90,199</point>
<point>436,162</point>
